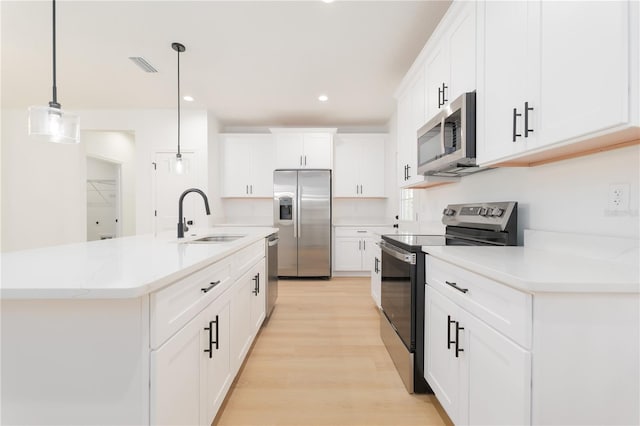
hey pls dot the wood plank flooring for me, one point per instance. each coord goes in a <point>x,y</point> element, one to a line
<point>319,360</point>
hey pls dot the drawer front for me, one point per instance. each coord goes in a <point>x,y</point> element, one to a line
<point>507,310</point>
<point>352,232</point>
<point>175,305</point>
<point>247,257</point>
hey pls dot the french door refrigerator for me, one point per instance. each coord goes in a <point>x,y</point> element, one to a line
<point>302,212</point>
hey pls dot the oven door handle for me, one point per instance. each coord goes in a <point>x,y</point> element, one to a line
<point>398,253</point>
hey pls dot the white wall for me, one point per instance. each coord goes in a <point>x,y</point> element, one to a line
<point>117,147</point>
<point>566,196</point>
<point>44,184</point>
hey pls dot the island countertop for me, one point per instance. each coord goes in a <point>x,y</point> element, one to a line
<point>118,268</point>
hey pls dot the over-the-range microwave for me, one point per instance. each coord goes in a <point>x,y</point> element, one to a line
<point>447,142</point>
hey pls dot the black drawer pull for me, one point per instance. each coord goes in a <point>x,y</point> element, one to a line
<point>211,341</point>
<point>213,284</point>
<point>454,285</point>
<point>515,118</point>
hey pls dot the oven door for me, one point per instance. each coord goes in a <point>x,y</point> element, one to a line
<point>397,291</point>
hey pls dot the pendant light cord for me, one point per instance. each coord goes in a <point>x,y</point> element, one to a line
<point>178,101</point>
<point>54,103</point>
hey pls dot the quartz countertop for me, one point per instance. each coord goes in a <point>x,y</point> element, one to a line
<point>126,267</point>
<point>537,270</point>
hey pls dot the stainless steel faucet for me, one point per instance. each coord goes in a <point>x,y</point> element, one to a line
<point>182,224</point>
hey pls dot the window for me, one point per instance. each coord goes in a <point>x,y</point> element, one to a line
<point>407,210</point>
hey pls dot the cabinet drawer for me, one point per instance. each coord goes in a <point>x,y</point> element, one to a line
<point>507,310</point>
<point>352,232</point>
<point>175,305</point>
<point>247,257</point>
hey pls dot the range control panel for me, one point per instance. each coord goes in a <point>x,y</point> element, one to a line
<point>482,215</point>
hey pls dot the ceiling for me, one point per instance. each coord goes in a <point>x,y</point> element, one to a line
<point>251,63</point>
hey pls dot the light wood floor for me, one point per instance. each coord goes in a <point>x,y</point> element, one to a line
<point>319,360</point>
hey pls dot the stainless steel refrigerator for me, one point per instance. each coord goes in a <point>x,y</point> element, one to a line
<point>302,212</point>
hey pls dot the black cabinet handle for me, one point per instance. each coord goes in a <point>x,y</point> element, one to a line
<point>258,282</point>
<point>449,322</point>
<point>458,348</point>
<point>211,341</point>
<point>408,173</point>
<point>454,285</point>
<point>213,284</point>
<point>527,130</point>
<point>255,287</point>
<point>515,118</point>
<point>376,269</point>
<point>444,99</point>
<point>439,97</point>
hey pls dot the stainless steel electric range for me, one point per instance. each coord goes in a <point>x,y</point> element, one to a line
<point>403,278</point>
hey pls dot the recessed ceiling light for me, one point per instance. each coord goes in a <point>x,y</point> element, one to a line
<point>188,98</point>
<point>328,1</point>
<point>323,98</point>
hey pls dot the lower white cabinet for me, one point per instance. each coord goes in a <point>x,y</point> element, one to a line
<point>190,373</point>
<point>353,249</point>
<point>258,296</point>
<point>478,375</point>
<point>376,274</point>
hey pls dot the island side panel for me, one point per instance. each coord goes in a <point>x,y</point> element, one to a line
<point>586,367</point>
<point>75,361</point>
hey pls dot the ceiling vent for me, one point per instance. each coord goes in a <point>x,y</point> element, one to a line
<point>142,63</point>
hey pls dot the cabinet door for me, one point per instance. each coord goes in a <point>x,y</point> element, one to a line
<point>318,151</point>
<point>496,377</point>
<point>368,253</point>
<point>436,76</point>
<point>376,276</point>
<point>442,368</point>
<point>348,254</point>
<point>289,150</point>
<point>371,165</point>
<point>262,166</point>
<point>258,300</point>
<point>216,372</point>
<point>241,320</point>
<point>347,166</point>
<point>461,43</point>
<point>175,377</point>
<point>506,30</point>
<point>235,166</point>
<point>584,67</point>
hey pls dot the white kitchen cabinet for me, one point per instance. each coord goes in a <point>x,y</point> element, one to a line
<point>450,67</point>
<point>552,74</point>
<point>241,330</point>
<point>354,249</point>
<point>258,299</point>
<point>376,273</point>
<point>411,116</point>
<point>478,375</point>
<point>247,165</point>
<point>300,149</point>
<point>359,165</point>
<point>188,383</point>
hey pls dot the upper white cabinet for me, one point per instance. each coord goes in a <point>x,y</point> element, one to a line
<point>410,117</point>
<point>450,67</point>
<point>304,148</point>
<point>359,165</point>
<point>247,165</point>
<point>554,73</point>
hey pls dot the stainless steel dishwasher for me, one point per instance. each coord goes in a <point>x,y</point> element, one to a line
<point>272,272</point>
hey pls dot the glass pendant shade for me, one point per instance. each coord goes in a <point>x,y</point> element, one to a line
<point>178,167</point>
<point>53,125</point>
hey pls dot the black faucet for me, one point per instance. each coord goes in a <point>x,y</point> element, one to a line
<point>182,226</point>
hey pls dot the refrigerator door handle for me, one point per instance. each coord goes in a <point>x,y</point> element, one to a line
<point>296,224</point>
<point>294,201</point>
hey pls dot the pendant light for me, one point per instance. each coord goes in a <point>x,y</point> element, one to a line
<point>51,123</point>
<point>179,165</point>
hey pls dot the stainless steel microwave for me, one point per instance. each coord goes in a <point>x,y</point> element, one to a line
<point>447,143</point>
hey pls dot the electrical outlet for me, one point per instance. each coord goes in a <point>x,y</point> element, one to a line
<point>618,197</point>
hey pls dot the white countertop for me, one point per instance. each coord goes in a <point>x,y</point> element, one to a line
<point>118,268</point>
<point>537,270</point>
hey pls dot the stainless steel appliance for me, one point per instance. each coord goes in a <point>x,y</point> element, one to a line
<point>403,278</point>
<point>272,272</point>
<point>447,142</point>
<point>302,212</point>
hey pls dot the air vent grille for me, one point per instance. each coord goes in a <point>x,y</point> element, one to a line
<point>142,63</point>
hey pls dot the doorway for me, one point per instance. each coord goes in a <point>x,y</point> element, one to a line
<point>103,199</point>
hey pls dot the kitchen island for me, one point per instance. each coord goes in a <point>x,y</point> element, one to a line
<point>137,330</point>
<point>548,333</point>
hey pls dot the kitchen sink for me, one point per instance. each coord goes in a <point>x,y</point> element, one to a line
<point>219,238</point>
